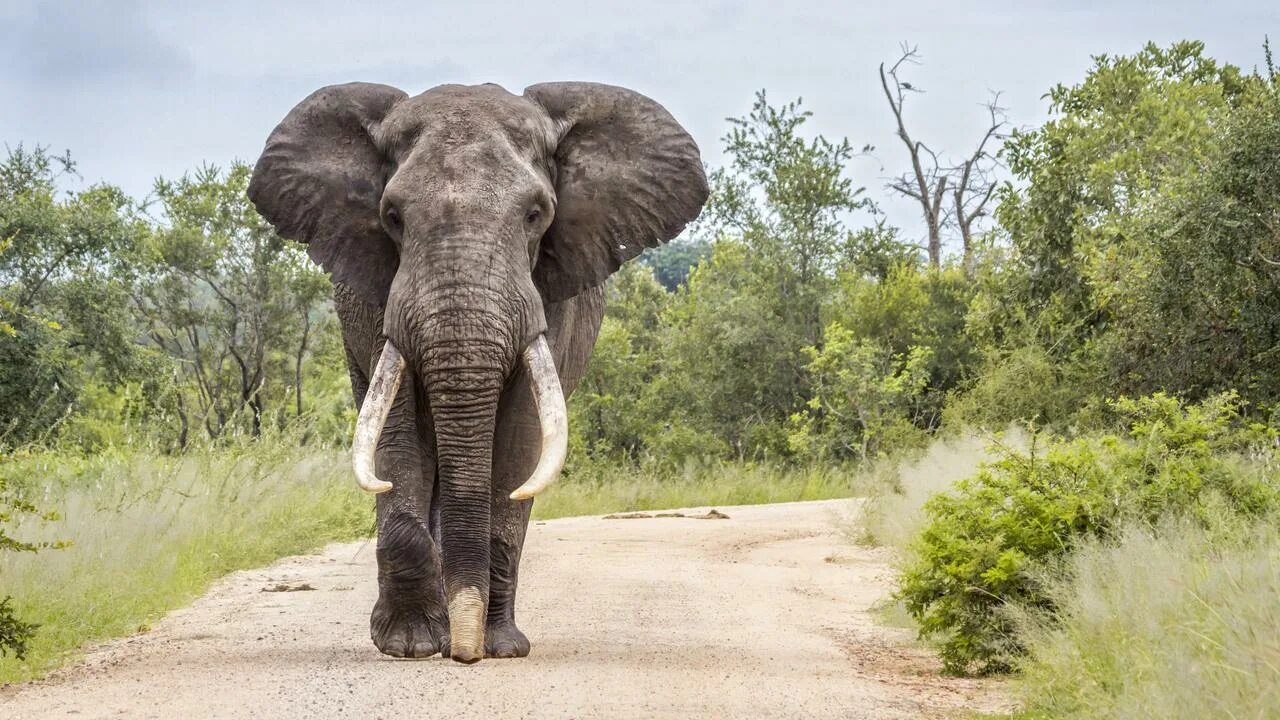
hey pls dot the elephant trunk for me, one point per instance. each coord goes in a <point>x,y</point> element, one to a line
<point>462,387</point>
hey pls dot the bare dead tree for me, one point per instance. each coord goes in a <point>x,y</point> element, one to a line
<point>977,183</point>
<point>972,182</point>
<point>927,186</point>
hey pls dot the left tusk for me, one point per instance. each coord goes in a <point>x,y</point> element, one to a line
<point>373,416</point>
<point>552,417</point>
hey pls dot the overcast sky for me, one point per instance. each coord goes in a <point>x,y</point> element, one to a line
<point>139,89</point>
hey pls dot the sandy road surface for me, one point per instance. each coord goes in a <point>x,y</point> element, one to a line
<point>765,614</point>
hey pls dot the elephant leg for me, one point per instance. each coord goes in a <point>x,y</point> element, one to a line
<point>409,617</point>
<point>517,443</point>
<point>571,329</point>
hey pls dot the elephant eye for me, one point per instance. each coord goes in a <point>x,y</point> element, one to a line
<point>533,216</point>
<point>393,219</point>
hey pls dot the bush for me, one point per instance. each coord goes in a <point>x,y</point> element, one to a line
<point>14,634</point>
<point>985,542</point>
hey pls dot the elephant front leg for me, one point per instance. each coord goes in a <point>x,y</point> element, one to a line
<point>515,455</point>
<point>409,618</point>
<point>510,519</point>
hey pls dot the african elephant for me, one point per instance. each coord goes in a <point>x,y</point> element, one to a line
<point>467,232</point>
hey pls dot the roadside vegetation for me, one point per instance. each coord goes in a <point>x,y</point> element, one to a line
<point>1061,400</point>
<point>137,534</point>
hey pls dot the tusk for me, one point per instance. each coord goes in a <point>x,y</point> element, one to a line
<point>552,417</point>
<point>373,416</point>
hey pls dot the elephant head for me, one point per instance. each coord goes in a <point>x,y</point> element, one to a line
<point>462,212</point>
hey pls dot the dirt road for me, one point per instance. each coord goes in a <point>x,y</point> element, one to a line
<point>764,614</point>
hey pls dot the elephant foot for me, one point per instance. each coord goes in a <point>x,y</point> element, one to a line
<point>502,639</point>
<point>407,630</point>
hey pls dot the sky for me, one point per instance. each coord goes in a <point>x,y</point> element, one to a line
<point>137,90</point>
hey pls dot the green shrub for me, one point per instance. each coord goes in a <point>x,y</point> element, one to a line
<point>14,633</point>
<point>984,543</point>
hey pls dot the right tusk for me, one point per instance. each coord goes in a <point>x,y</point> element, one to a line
<point>373,416</point>
<point>552,417</point>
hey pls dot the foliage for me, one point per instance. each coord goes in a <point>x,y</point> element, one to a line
<point>862,397</point>
<point>231,301</point>
<point>985,540</point>
<point>1140,229</point>
<point>116,327</point>
<point>673,262</point>
<point>64,283</point>
<point>15,634</point>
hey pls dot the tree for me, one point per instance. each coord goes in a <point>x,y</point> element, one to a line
<point>65,273</point>
<point>232,302</point>
<point>733,334</point>
<point>1125,269</point>
<point>864,398</point>
<point>971,182</point>
<point>672,262</point>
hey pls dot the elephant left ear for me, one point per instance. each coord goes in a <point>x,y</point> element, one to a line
<point>628,177</point>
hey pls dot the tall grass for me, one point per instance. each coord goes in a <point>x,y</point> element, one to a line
<point>897,492</point>
<point>592,488</point>
<point>150,532</point>
<point>1162,624</point>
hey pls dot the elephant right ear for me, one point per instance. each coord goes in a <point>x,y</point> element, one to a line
<point>320,179</point>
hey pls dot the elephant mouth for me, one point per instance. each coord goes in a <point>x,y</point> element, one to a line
<point>548,397</point>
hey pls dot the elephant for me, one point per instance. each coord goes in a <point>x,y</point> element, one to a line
<point>467,232</point>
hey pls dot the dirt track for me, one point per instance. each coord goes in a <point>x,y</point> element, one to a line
<point>764,614</point>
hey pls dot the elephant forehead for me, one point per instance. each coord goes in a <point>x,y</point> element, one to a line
<point>457,117</point>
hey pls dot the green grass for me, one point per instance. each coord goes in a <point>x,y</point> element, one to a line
<point>149,533</point>
<point>596,489</point>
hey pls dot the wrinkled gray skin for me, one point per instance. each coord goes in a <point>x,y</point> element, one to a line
<point>460,224</point>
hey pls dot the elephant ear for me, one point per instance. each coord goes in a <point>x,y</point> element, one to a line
<point>320,179</point>
<point>628,177</point>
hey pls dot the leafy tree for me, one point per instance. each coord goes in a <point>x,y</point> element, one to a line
<point>65,272</point>
<point>733,335</point>
<point>1193,295</point>
<point>1139,132</point>
<point>863,398</point>
<point>610,409</point>
<point>672,262</point>
<point>232,302</point>
<point>913,307</point>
